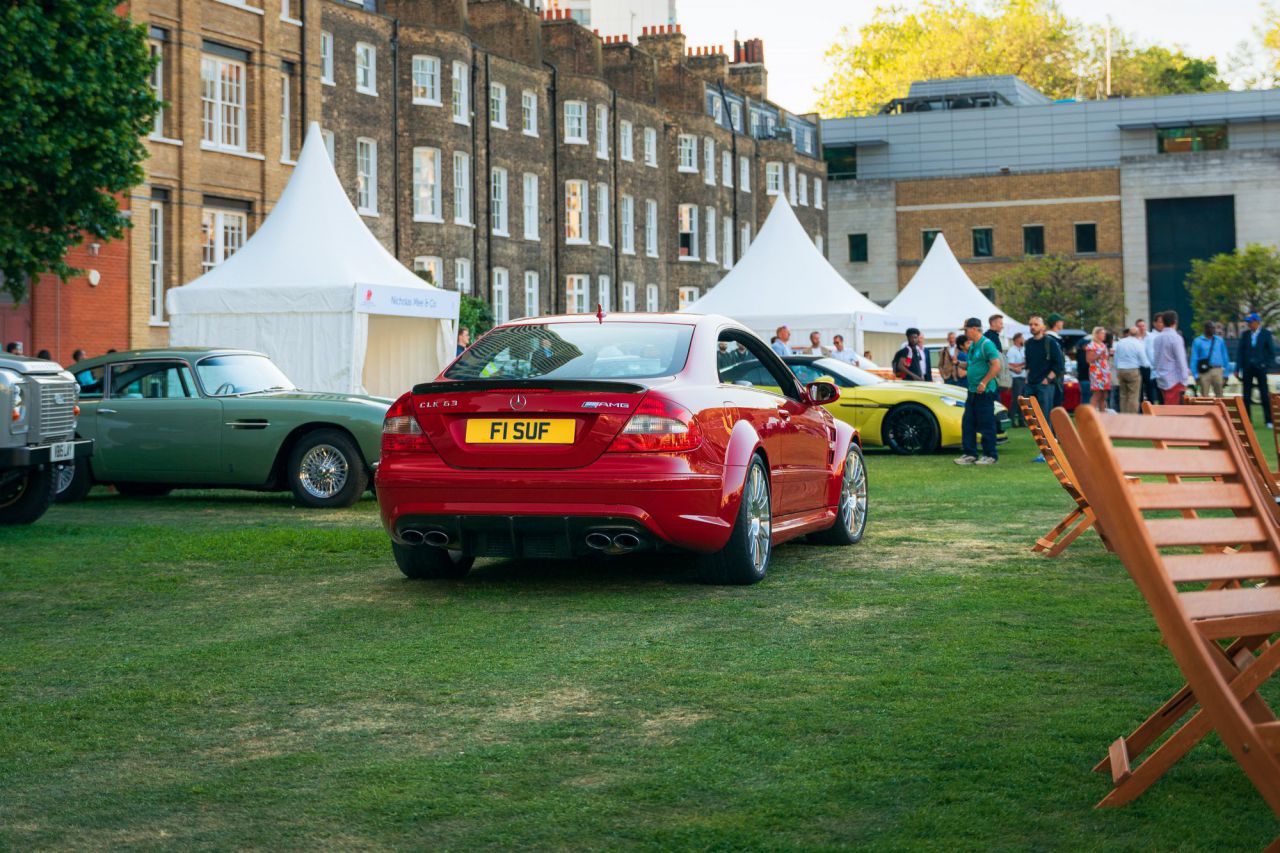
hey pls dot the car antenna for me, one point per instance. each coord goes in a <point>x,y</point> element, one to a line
<point>600,312</point>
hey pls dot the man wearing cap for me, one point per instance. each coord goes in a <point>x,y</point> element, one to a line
<point>1253,360</point>
<point>980,406</point>
<point>780,345</point>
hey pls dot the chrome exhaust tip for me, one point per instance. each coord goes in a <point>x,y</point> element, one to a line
<point>598,541</point>
<point>411,537</point>
<point>438,538</point>
<point>626,542</point>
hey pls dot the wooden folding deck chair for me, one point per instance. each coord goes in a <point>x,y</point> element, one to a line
<point>1079,519</point>
<point>1218,626</point>
<point>1238,416</point>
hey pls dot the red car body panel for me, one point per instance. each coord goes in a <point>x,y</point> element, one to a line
<point>686,499</point>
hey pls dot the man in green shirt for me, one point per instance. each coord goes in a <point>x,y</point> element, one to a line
<point>980,407</point>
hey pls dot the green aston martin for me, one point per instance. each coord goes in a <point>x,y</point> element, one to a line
<point>219,418</point>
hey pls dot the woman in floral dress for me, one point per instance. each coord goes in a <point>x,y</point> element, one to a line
<point>1099,369</point>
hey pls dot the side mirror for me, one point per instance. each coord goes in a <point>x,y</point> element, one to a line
<point>823,391</point>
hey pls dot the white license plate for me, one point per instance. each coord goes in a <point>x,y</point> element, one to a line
<point>61,451</point>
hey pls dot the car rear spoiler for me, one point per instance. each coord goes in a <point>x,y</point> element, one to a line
<point>595,386</point>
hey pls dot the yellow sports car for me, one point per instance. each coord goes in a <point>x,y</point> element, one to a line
<point>906,417</point>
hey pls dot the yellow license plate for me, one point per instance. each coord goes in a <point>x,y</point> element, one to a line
<point>520,431</point>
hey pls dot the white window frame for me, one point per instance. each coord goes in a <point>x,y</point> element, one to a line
<point>627,224</point>
<point>366,70</point>
<point>713,236</point>
<point>326,58</point>
<point>602,131</point>
<point>717,109</point>
<point>425,80</point>
<point>498,201</point>
<point>802,184</point>
<point>461,188</point>
<point>498,105</point>
<point>156,48</point>
<point>460,98</point>
<point>604,293</point>
<point>817,193</point>
<point>744,239</point>
<point>577,290</point>
<point>791,183</point>
<point>693,215</point>
<point>529,112</point>
<point>327,136</point>
<point>155,260</point>
<point>575,122</point>
<point>580,217</point>
<point>651,302</point>
<point>626,141</point>
<point>735,116</point>
<point>687,153</point>
<point>366,176</point>
<point>462,275</point>
<point>629,297</point>
<point>529,204</point>
<point>744,174</point>
<point>651,147</point>
<point>726,168</point>
<point>532,304</point>
<point>821,244</point>
<point>217,220</point>
<point>773,178</point>
<point>433,264</point>
<point>501,295</point>
<point>603,231</point>
<point>286,118</point>
<point>426,185</point>
<point>222,98</point>
<point>726,251</point>
<point>687,296</point>
<point>651,228</point>
<point>709,161</point>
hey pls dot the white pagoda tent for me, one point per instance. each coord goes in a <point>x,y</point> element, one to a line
<point>941,296</point>
<point>782,279</point>
<point>316,291</point>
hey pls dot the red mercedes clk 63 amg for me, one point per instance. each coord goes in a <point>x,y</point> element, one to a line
<point>558,437</point>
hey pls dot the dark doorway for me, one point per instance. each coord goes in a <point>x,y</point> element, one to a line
<point>1180,230</point>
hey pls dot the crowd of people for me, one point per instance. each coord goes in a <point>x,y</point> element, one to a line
<point>781,343</point>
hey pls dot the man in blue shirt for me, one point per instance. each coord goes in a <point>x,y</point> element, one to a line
<point>780,342</point>
<point>1209,361</point>
<point>980,405</point>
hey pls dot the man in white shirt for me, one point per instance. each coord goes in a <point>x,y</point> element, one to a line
<point>839,353</point>
<point>1130,358</point>
<point>780,345</point>
<point>1016,361</point>
<point>1169,365</point>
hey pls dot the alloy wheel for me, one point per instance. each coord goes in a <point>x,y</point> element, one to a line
<point>853,495</point>
<point>759,518</point>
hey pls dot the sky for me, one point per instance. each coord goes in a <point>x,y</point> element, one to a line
<point>797,33</point>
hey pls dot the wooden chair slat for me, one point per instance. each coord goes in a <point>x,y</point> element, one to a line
<point>1139,428</point>
<point>1189,568</point>
<point>1079,519</point>
<point>1270,735</point>
<point>1243,601</point>
<point>1174,532</point>
<point>1182,463</point>
<point>1194,495</point>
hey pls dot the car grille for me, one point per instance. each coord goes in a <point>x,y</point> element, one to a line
<point>57,419</point>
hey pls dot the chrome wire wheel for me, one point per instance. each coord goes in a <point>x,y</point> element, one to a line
<point>323,471</point>
<point>853,495</point>
<point>759,519</point>
<point>64,476</point>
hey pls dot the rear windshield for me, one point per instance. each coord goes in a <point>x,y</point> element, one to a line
<point>576,351</point>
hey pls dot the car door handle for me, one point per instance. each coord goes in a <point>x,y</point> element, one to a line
<point>107,412</point>
<point>784,414</point>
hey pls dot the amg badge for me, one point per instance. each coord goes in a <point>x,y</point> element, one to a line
<point>595,404</point>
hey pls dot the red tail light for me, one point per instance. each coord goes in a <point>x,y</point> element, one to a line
<point>658,424</point>
<point>400,430</point>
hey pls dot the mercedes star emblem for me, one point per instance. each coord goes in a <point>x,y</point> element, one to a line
<point>519,402</point>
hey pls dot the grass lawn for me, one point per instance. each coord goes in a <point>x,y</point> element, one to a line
<point>222,670</point>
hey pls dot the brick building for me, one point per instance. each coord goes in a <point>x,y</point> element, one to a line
<point>1139,187</point>
<point>509,153</point>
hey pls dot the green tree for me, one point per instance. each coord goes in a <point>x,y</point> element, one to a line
<point>476,315</point>
<point>74,102</point>
<point>1228,286</point>
<point>1030,38</point>
<point>1080,292</point>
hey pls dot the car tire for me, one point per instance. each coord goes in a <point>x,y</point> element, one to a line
<point>911,430</point>
<point>71,483</point>
<point>326,470</point>
<point>143,490</point>
<point>745,557</point>
<point>426,562</point>
<point>851,512</point>
<point>25,498</point>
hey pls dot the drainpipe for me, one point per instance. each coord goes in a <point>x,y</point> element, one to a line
<point>475,202</point>
<point>557,222</point>
<point>733,168</point>
<point>488,165</point>
<point>616,288</point>
<point>395,137</point>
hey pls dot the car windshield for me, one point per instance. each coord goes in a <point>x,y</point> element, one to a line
<point>856,375</point>
<point>576,351</point>
<point>229,375</point>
